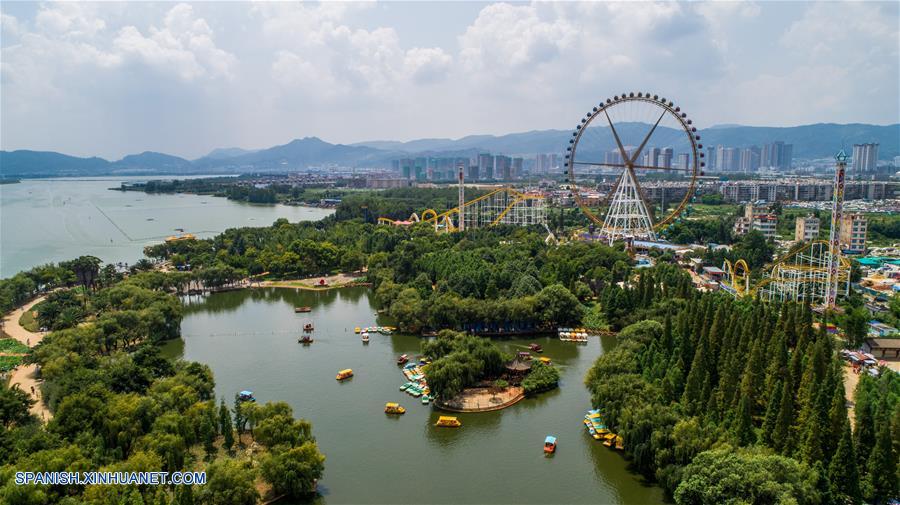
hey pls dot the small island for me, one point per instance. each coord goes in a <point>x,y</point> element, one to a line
<point>472,374</point>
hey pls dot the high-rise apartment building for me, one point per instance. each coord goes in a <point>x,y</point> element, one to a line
<point>664,159</point>
<point>777,155</point>
<point>651,157</point>
<point>749,159</point>
<point>502,165</point>
<point>806,228</point>
<point>486,165</point>
<point>516,171</point>
<point>853,233</point>
<point>865,158</point>
<point>683,161</point>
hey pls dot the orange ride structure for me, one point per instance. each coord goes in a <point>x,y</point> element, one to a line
<point>501,206</point>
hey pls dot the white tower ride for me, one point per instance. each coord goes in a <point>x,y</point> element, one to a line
<point>628,216</point>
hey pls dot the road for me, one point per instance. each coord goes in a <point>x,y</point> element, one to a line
<point>24,376</point>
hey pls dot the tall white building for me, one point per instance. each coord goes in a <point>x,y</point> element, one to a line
<point>865,158</point>
<point>664,159</point>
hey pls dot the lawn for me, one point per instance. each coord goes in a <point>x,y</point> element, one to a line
<point>10,345</point>
<point>28,321</point>
<point>703,210</point>
<point>7,363</point>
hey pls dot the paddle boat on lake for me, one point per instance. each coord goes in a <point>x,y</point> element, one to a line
<point>344,374</point>
<point>549,444</point>
<point>448,422</point>
<point>393,408</point>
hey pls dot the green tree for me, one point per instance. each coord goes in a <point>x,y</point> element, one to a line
<point>228,482</point>
<point>882,466</point>
<point>225,426</point>
<point>843,473</point>
<point>294,471</point>
<point>746,476</point>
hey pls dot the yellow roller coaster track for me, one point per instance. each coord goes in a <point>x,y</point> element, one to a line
<point>739,272</point>
<point>445,219</point>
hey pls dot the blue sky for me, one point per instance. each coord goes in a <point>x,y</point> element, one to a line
<point>110,79</point>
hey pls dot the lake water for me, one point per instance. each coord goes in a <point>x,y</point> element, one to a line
<point>249,338</point>
<point>44,220</point>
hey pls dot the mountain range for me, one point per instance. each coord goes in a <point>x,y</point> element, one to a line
<point>809,141</point>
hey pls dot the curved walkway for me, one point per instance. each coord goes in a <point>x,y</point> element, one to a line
<point>482,400</point>
<point>24,376</point>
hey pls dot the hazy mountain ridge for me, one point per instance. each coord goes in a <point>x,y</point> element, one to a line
<point>810,141</point>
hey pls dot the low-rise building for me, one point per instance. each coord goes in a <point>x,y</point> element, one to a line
<point>806,228</point>
<point>882,347</point>
<point>853,233</point>
<point>757,217</point>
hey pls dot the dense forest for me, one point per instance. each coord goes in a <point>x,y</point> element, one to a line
<point>118,405</point>
<point>720,400</point>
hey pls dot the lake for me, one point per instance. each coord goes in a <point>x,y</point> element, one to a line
<point>249,339</point>
<point>50,220</point>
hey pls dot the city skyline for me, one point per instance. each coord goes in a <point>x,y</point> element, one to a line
<point>112,79</point>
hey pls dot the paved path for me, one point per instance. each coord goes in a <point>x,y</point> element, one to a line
<point>24,375</point>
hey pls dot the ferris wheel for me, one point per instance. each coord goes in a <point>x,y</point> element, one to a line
<point>634,145</point>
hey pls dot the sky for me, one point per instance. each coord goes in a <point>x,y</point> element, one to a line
<point>110,79</point>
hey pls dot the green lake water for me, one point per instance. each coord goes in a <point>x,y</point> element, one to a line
<point>44,220</point>
<point>249,339</point>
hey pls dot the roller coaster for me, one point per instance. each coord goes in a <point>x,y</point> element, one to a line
<point>500,206</point>
<point>801,274</point>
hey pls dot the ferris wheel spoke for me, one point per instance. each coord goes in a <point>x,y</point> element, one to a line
<point>644,143</point>
<point>616,135</point>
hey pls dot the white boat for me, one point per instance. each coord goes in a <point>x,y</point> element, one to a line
<point>365,336</point>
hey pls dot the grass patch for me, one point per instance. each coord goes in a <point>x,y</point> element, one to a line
<point>28,321</point>
<point>11,345</point>
<point>703,210</point>
<point>7,363</point>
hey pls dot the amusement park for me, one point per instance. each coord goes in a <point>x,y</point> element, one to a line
<point>619,148</point>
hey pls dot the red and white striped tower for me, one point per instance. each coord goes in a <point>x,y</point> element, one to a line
<point>834,241</point>
<point>462,200</point>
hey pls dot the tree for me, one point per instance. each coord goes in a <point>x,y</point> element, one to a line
<point>558,305</point>
<point>843,473</point>
<point>229,482</point>
<point>856,326</point>
<point>14,406</point>
<point>882,466</point>
<point>225,426</point>
<point>295,471</point>
<point>746,476</point>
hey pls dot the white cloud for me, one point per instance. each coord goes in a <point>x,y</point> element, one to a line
<point>202,75</point>
<point>427,64</point>
<point>184,44</point>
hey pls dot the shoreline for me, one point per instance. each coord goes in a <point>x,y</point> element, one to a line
<point>514,395</point>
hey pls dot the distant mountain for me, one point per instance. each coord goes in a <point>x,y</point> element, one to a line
<point>26,163</point>
<point>298,154</point>
<point>226,152</point>
<point>820,140</point>
<point>810,141</point>
<point>152,162</point>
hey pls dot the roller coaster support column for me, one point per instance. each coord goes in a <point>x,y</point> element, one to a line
<point>462,200</point>
<point>834,242</point>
